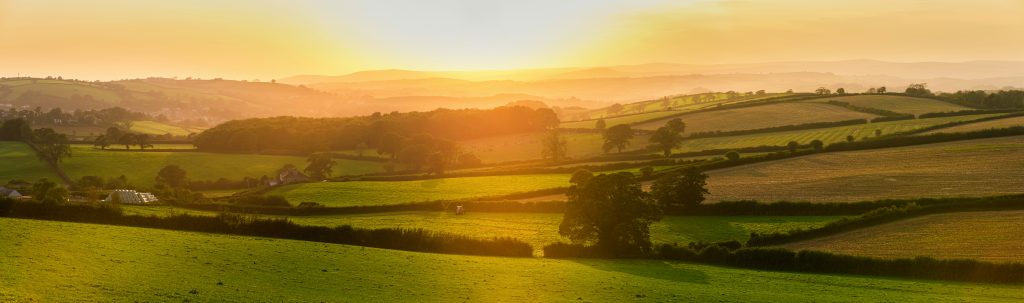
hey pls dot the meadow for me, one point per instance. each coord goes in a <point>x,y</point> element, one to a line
<point>826,135</point>
<point>979,167</point>
<point>989,236</point>
<point>899,104</point>
<point>983,125</point>
<point>157,128</point>
<point>354,193</point>
<point>59,88</point>
<point>628,119</point>
<point>19,161</point>
<point>55,261</point>
<point>527,146</point>
<point>141,167</point>
<point>763,116</point>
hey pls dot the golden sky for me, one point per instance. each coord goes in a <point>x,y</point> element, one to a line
<point>269,39</point>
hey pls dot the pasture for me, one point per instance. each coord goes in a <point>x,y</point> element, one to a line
<point>157,128</point>
<point>763,116</point>
<point>899,104</point>
<point>983,125</point>
<point>527,146</point>
<point>990,236</point>
<point>354,193</point>
<point>827,135</point>
<point>628,119</point>
<point>141,167</point>
<point>19,161</point>
<point>56,261</point>
<point>979,167</point>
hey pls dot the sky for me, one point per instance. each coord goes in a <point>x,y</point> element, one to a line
<point>262,39</point>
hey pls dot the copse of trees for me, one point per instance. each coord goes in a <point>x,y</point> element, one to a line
<point>1003,99</point>
<point>685,188</point>
<point>320,165</point>
<point>307,135</point>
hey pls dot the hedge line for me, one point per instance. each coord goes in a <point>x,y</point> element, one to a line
<point>790,127</point>
<point>390,238</point>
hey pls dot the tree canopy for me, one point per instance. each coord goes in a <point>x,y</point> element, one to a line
<point>617,137</point>
<point>612,212</point>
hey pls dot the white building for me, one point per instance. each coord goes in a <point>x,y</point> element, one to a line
<point>10,193</point>
<point>128,196</point>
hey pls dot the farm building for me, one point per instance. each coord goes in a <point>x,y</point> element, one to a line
<point>10,193</point>
<point>127,196</point>
<point>288,176</point>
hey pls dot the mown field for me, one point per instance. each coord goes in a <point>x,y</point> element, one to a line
<point>354,193</point>
<point>990,236</point>
<point>963,168</point>
<point>629,119</point>
<point>827,135</point>
<point>900,104</point>
<point>19,161</point>
<point>54,261</point>
<point>520,147</point>
<point>771,115</point>
<point>983,125</point>
<point>141,167</point>
<point>157,128</point>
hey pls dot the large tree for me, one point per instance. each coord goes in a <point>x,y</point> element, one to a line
<point>553,146</point>
<point>617,137</point>
<point>49,192</point>
<point>51,146</point>
<point>666,139</point>
<point>685,188</point>
<point>320,165</point>
<point>391,144</point>
<point>612,212</point>
<point>173,176</point>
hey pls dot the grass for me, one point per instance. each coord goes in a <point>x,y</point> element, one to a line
<point>764,116</point>
<point>630,119</point>
<point>900,104</point>
<point>990,236</point>
<point>55,261</point>
<point>354,193</point>
<point>59,88</point>
<point>157,128</point>
<point>964,168</point>
<point>827,135</point>
<point>520,147</point>
<point>18,161</point>
<point>983,125</point>
<point>141,167</point>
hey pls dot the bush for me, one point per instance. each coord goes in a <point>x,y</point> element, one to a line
<point>264,201</point>
<point>565,250</point>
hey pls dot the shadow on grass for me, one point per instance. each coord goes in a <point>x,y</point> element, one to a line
<point>657,269</point>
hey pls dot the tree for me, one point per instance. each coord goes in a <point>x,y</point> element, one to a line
<point>600,124</point>
<point>823,91</point>
<point>881,90</point>
<point>553,146</point>
<point>16,130</point>
<point>841,91</point>
<point>793,145</point>
<point>580,177</point>
<point>142,140</point>
<point>320,165</point>
<point>677,125</point>
<point>760,93</point>
<point>615,108</point>
<point>469,160</point>
<point>172,176</point>
<point>612,212</point>
<point>732,155</point>
<point>436,163</point>
<point>48,192</point>
<point>617,137</point>
<point>850,138</point>
<point>817,144</point>
<point>666,140</point>
<point>101,141</point>
<point>685,188</point>
<point>918,89</point>
<point>127,140</point>
<point>878,133</point>
<point>414,156</point>
<point>390,143</point>
<point>50,146</point>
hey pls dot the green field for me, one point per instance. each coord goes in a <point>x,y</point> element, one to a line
<point>157,128</point>
<point>54,261</point>
<point>900,104</point>
<point>141,167</point>
<point>18,161</point>
<point>991,236</point>
<point>983,125</point>
<point>59,88</point>
<point>630,119</point>
<point>354,193</point>
<point>764,116</point>
<point>980,167</point>
<point>527,146</point>
<point>827,135</point>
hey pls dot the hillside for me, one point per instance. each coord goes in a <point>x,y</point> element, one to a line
<point>755,117</point>
<point>19,161</point>
<point>900,104</point>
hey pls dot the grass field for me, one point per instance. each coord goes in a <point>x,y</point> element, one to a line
<point>900,104</point>
<point>59,88</point>
<point>398,192</point>
<point>141,167</point>
<point>630,119</point>
<point>962,168</point>
<point>18,161</point>
<point>983,125</point>
<point>991,236</point>
<point>54,261</point>
<point>771,115</point>
<point>827,135</point>
<point>157,128</point>
<point>527,146</point>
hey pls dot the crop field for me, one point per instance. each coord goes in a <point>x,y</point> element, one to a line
<point>141,167</point>
<point>900,104</point>
<point>527,146</point>
<point>630,119</point>
<point>18,161</point>
<point>990,236</point>
<point>55,261</point>
<point>754,117</point>
<point>963,168</point>
<point>157,128</point>
<point>827,135</point>
<point>983,125</point>
<point>354,193</point>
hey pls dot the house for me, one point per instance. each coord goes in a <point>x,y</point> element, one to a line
<point>287,175</point>
<point>10,193</point>
<point>128,196</point>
